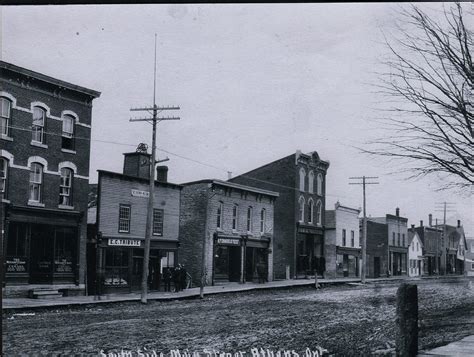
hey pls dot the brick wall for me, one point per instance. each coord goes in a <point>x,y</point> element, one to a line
<point>377,246</point>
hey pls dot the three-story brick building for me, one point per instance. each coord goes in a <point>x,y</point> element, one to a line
<point>45,131</point>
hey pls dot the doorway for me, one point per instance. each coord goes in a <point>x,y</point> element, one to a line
<point>376,267</point>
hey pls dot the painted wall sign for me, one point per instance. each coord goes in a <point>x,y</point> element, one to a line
<point>228,241</point>
<point>16,265</point>
<point>124,242</point>
<point>140,193</point>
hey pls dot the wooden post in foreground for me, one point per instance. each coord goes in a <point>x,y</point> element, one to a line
<point>407,320</point>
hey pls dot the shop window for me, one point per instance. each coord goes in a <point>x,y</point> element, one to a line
<point>68,132</point>
<point>167,261</point>
<point>249,219</point>
<point>64,250</point>
<point>36,182</point>
<point>5,110</point>
<point>124,218</point>
<point>219,215</point>
<point>311,182</point>
<point>319,212</point>
<point>301,204</point>
<point>319,184</point>
<point>302,179</point>
<point>235,215</point>
<point>3,177</point>
<point>343,237</point>
<point>37,129</point>
<point>116,267</point>
<point>263,215</point>
<point>158,217</point>
<point>16,248</point>
<point>310,211</point>
<point>65,187</point>
<point>352,239</point>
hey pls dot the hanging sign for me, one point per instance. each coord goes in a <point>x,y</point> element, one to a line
<point>124,242</point>
<point>140,193</point>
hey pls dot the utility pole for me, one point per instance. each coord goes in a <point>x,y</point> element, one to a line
<point>155,110</point>
<point>443,206</point>
<point>364,222</point>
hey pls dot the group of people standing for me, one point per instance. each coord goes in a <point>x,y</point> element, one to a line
<point>176,275</point>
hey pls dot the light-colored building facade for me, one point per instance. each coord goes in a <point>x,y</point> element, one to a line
<point>415,254</point>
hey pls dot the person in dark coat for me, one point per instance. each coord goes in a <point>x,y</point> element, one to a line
<point>182,279</point>
<point>261,272</point>
<point>177,278</point>
<point>167,277</point>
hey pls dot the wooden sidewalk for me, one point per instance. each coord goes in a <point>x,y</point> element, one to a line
<point>464,347</point>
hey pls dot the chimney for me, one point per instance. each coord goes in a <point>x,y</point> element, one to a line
<point>413,226</point>
<point>421,223</point>
<point>459,223</point>
<point>397,212</point>
<point>162,173</point>
<point>430,220</point>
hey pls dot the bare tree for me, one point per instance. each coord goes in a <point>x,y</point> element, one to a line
<point>429,83</point>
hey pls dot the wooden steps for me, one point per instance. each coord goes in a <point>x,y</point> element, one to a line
<point>44,293</point>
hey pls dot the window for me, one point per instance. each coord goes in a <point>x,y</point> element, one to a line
<point>124,218</point>
<point>311,182</point>
<point>302,179</point>
<point>158,215</point>
<point>301,203</point>
<point>5,106</point>
<point>417,246</point>
<point>68,132</point>
<point>235,214</point>
<point>393,238</point>
<point>3,177</point>
<point>249,219</point>
<point>65,187</point>
<point>352,238</point>
<point>319,209</point>
<point>116,267</point>
<point>219,215</point>
<point>344,237</point>
<point>403,239</point>
<point>263,216</point>
<point>37,130</point>
<point>398,234</point>
<point>319,183</point>
<point>36,181</point>
<point>310,211</point>
<point>413,247</point>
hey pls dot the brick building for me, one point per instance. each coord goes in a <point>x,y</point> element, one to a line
<point>377,262</point>
<point>231,227</point>
<point>45,130</point>
<point>396,242</point>
<point>121,212</point>
<point>342,227</point>
<point>299,245</point>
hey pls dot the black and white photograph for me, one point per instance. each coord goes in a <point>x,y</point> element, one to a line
<point>237,180</point>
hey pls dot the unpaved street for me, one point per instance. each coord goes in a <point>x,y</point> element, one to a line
<point>346,320</point>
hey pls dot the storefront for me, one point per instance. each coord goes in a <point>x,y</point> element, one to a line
<point>310,250</point>
<point>398,262</point>
<point>347,262</point>
<point>121,264</point>
<point>42,246</point>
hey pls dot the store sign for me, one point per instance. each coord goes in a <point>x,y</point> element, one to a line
<point>124,242</point>
<point>228,241</point>
<point>62,266</point>
<point>140,193</point>
<point>16,265</point>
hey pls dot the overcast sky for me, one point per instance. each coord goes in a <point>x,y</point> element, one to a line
<point>254,83</point>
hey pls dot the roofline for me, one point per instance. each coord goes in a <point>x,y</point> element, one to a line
<point>349,208</point>
<point>48,79</point>
<point>140,179</point>
<point>261,167</point>
<point>234,185</point>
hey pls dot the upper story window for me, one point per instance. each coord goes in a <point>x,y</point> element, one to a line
<point>398,240</point>
<point>249,219</point>
<point>302,178</point>
<point>3,177</point>
<point>393,238</point>
<point>65,187</point>
<point>310,210</point>
<point>263,217</point>
<point>219,215</point>
<point>344,237</point>
<point>311,182</point>
<point>352,238</point>
<point>36,182</point>
<point>5,106</point>
<point>417,246</point>
<point>301,204</point>
<point>235,215</point>
<point>319,213</point>
<point>124,218</point>
<point>68,132</point>
<point>37,129</point>
<point>319,185</point>
<point>403,239</point>
<point>158,218</point>
<point>413,247</point>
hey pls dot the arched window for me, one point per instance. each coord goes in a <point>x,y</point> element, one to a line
<point>302,179</point>
<point>5,110</point>
<point>249,219</point>
<point>37,129</point>
<point>68,132</point>
<point>235,215</point>
<point>263,217</point>
<point>3,177</point>
<point>319,217</point>
<point>65,187</point>
<point>319,183</point>
<point>220,208</point>
<point>311,182</point>
<point>36,182</point>
<point>310,210</point>
<point>301,204</point>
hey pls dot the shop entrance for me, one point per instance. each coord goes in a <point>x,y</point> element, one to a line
<point>41,254</point>
<point>227,263</point>
<point>256,263</point>
<point>153,270</point>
